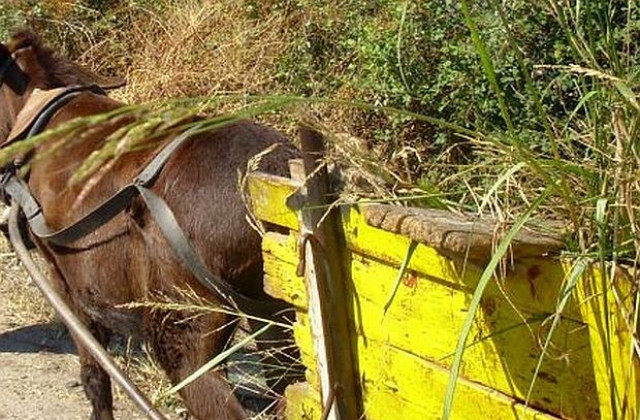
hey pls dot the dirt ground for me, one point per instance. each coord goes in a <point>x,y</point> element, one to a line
<point>39,376</point>
<point>39,370</point>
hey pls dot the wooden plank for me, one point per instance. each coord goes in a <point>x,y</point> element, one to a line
<point>392,249</point>
<point>400,385</point>
<point>330,301</point>
<point>426,317</point>
<point>458,235</point>
<point>268,198</point>
<point>303,402</point>
<point>316,277</point>
<point>280,256</point>
<point>281,281</point>
<point>304,339</point>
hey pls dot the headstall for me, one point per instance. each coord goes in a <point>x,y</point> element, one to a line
<point>5,65</point>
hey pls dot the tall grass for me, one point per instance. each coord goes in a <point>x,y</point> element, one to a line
<point>593,159</point>
<point>555,138</point>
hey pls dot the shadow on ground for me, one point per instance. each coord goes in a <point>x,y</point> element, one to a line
<point>52,337</point>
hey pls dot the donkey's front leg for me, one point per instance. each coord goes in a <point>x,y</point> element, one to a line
<point>182,348</point>
<point>95,381</point>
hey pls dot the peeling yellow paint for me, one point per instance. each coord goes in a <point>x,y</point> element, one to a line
<point>405,354</point>
<point>268,196</point>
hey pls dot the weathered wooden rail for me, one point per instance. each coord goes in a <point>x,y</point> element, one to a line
<point>402,356</point>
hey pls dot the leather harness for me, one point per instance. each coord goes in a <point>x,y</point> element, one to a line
<point>4,67</point>
<point>18,190</point>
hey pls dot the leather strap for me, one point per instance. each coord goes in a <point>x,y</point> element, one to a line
<point>45,116</point>
<point>19,191</point>
<point>166,220</point>
<point>5,64</point>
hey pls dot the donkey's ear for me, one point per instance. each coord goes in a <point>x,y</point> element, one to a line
<point>23,39</point>
<point>52,70</point>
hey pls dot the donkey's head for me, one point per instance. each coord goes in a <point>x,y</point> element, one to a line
<point>27,64</point>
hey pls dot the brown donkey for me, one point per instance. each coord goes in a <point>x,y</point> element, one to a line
<point>128,259</point>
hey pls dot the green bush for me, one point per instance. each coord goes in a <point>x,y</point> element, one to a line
<point>425,62</point>
<point>414,55</point>
<point>10,17</point>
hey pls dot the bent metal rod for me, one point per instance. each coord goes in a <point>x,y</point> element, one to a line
<point>73,323</point>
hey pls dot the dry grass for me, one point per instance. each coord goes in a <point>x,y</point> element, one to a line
<point>191,48</point>
<point>139,365</point>
<point>23,303</point>
<point>201,48</point>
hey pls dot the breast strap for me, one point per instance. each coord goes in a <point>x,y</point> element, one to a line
<point>18,190</point>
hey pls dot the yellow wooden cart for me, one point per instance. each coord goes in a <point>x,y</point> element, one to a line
<point>402,330</point>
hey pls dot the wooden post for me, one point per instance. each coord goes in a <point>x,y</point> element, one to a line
<point>330,301</point>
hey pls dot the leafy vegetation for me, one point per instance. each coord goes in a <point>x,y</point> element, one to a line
<point>410,55</point>
<point>529,110</point>
<point>549,85</point>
